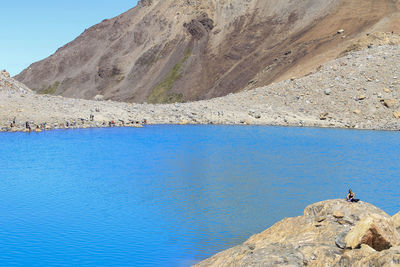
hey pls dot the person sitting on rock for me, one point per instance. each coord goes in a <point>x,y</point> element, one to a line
<point>351,197</point>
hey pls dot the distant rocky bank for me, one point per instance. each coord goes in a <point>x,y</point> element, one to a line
<point>330,233</point>
<point>361,90</point>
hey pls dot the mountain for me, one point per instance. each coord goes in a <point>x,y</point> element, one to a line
<point>184,50</point>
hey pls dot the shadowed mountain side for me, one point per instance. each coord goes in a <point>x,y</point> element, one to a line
<point>174,51</point>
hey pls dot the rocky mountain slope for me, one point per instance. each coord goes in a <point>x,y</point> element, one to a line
<point>183,50</point>
<point>330,233</point>
<point>359,90</point>
<point>11,86</point>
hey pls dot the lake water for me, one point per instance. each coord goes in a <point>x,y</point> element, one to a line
<point>173,195</point>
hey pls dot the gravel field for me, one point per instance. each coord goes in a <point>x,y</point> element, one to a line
<point>360,90</point>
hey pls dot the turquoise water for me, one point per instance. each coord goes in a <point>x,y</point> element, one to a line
<point>173,195</point>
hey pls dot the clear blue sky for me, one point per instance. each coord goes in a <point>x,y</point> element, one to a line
<point>33,30</point>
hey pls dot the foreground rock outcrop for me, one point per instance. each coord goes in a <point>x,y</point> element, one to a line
<point>330,233</point>
<point>165,51</point>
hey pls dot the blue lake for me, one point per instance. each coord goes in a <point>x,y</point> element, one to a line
<point>174,195</point>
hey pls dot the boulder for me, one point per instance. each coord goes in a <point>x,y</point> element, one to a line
<point>199,27</point>
<point>353,212</point>
<point>396,114</point>
<point>5,73</point>
<point>99,97</point>
<point>338,214</point>
<point>340,240</point>
<point>323,116</point>
<point>366,256</point>
<point>328,91</point>
<point>376,231</point>
<point>389,103</point>
<point>396,221</point>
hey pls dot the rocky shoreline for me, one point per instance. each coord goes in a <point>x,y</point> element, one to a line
<point>330,233</point>
<point>359,91</point>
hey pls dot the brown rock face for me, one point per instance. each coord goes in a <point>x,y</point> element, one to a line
<point>390,103</point>
<point>375,231</point>
<point>396,221</point>
<point>184,50</point>
<point>200,27</point>
<point>338,214</point>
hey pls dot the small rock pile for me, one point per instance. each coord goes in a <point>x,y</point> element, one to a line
<point>330,233</point>
<point>374,39</point>
<point>9,85</point>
